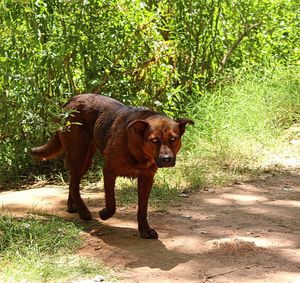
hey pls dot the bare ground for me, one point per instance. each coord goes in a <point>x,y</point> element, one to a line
<point>248,232</point>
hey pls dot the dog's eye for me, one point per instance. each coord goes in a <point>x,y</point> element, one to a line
<point>172,139</point>
<point>154,140</point>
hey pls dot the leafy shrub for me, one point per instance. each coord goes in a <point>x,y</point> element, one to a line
<point>155,53</point>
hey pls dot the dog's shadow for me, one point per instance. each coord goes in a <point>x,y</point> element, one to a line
<point>138,252</point>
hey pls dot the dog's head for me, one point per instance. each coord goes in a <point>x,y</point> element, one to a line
<point>158,137</point>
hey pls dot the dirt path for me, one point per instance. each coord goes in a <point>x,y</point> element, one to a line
<point>248,232</point>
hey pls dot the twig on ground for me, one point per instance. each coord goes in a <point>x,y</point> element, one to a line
<point>225,272</point>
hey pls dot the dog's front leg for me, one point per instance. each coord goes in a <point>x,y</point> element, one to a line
<point>144,188</point>
<point>109,189</point>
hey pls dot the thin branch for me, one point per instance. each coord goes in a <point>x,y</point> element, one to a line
<point>125,47</point>
<point>246,31</point>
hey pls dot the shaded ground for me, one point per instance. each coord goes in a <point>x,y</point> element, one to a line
<point>248,232</point>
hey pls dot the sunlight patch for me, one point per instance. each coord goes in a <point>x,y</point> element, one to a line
<point>270,242</point>
<point>218,201</point>
<point>244,198</point>
<point>286,203</point>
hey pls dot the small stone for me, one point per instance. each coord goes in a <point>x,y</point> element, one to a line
<point>98,278</point>
<point>287,189</point>
<point>186,216</point>
<point>295,142</point>
<point>93,232</point>
<point>184,195</point>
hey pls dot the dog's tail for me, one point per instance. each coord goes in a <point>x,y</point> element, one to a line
<point>50,150</point>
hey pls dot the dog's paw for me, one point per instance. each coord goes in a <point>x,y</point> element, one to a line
<point>85,215</point>
<point>106,213</point>
<point>72,208</point>
<point>148,233</point>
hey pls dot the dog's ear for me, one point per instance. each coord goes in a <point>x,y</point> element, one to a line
<point>139,126</point>
<point>182,123</point>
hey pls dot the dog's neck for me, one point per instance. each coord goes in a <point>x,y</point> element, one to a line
<point>133,160</point>
<point>140,163</point>
<point>137,158</point>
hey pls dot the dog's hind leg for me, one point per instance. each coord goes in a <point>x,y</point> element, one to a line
<point>75,203</point>
<point>79,150</point>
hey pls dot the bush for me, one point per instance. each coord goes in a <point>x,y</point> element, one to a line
<point>158,54</point>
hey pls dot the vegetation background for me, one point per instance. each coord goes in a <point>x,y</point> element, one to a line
<point>206,59</point>
<point>232,66</point>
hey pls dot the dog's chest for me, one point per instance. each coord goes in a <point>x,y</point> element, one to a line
<point>131,168</point>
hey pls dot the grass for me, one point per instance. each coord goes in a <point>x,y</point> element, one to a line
<point>238,128</point>
<point>42,249</point>
<point>161,195</point>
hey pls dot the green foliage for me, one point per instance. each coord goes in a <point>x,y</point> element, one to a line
<point>155,53</point>
<point>40,250</point>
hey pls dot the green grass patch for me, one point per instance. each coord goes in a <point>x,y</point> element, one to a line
<point>42,249</point>
<point>239,128</point>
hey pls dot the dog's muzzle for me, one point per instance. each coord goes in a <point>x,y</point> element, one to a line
<point>165,161</point>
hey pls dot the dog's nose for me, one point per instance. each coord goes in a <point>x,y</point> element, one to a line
<point>166,161</point>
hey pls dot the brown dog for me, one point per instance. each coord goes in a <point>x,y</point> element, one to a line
<point>133,141</point>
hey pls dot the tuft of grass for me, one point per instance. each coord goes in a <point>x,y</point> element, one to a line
<point>41,249</point>
<point>162,193</point>
<point>126,192</point>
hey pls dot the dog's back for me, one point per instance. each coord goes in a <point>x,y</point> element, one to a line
<point>103,117</point>
<point>97,116</point>
<point>85,111</point>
